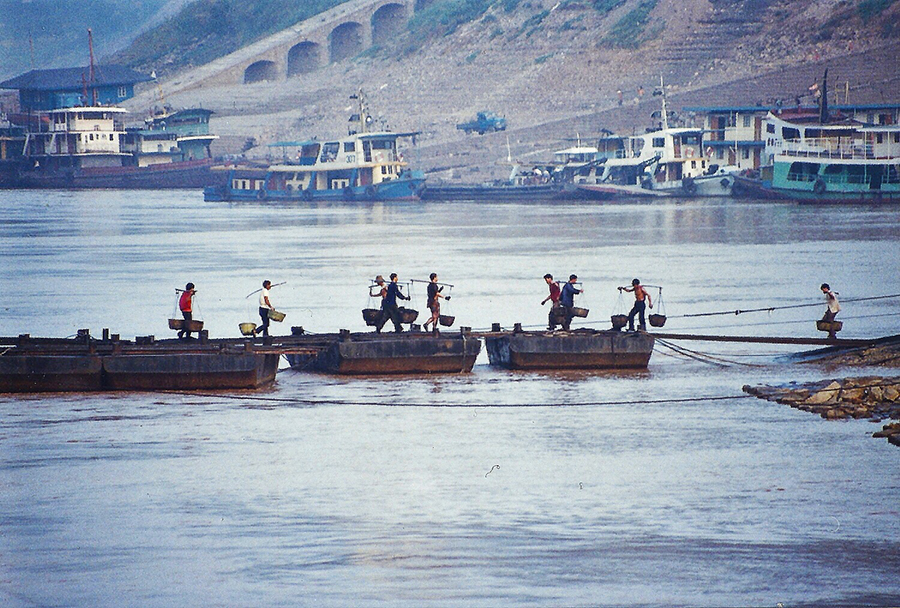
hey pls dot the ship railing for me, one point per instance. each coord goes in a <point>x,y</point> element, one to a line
<point>828,148</point>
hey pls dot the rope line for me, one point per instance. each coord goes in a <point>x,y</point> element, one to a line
<point>297,401</point>
<point>771,308</point>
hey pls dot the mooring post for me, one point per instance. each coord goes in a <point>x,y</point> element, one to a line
<point>495,327</point>
<point>465,330</point>
<point>204,336</point>
<point>297,330</point>
<point>345,335</point>
<point>105,334</point>
<point>517,328</point>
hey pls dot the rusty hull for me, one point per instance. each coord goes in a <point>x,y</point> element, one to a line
<point>408,353</point>
<point>579,349</point>
<point>85,364</point>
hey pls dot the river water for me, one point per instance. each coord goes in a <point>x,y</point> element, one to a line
<point>664,487</point>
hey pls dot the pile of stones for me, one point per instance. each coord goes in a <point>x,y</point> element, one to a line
<point>873,397</point>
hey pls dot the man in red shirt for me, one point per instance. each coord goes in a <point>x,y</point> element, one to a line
<point>185,303</point>
<point>553,298</point>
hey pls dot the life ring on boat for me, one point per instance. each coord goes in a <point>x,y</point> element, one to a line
<point>819,186</point>
<point>688,185</point>
<point>348,193</point>
<point>725,183</point>
<point>307,195</point>
<point>261,195</point>
<point>689,152</point>
<point>371,192</point>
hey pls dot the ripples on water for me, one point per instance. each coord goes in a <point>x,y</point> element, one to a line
<point>585,489</point>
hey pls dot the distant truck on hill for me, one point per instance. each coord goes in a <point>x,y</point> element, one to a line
<point>485,122</point>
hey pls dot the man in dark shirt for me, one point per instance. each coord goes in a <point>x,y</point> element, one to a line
<point>433,303</point>
<point>567,300</point>
<point>389,308</point>
<point>553,298</point>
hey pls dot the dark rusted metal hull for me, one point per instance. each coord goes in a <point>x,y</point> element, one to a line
<point>173,370</point>
<point>189,371</point>
<point>48,373</point>
<point>581,349</point>
<point>394,354</point>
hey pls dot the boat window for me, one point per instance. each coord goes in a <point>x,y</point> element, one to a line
<point>747,120</point>
<point>856,174</point>
<point>691,139</point>
<point>892,175</point>
<point>349,146</point>
<point>770,128</point>
<point>659,142</point>
<point>330,152</point>
<point>790,133</point>
<point>803,172</point>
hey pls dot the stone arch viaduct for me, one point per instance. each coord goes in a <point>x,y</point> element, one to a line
<point>337,34</point>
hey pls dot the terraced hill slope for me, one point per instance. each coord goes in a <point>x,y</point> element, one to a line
<point>554,68</point>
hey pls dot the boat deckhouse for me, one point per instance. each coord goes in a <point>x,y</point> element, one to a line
<point>744,136</point>
<point>44,90</point>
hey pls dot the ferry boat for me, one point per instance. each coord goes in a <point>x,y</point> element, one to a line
<point>364,165</point>
<point>90,147</point>
<point>837,162</point>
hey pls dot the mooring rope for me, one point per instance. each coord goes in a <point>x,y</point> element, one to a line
<point>298,401</point>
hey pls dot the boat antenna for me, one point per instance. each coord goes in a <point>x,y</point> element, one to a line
<point>91,51</point>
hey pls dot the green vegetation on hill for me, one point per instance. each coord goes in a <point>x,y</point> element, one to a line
<point>55,31</point>
<point>628,32</point>
<point>207,29</point>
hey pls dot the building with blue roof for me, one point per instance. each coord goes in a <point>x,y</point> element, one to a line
<point>45,90</point>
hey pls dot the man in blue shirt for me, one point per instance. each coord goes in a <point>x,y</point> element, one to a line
<point>567,300</point>
<point>389,308</point>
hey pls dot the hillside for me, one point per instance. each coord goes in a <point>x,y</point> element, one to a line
<point>555,70</point>
<point>53,33</point>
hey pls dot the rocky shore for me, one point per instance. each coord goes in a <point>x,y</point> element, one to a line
<point>874,397</point>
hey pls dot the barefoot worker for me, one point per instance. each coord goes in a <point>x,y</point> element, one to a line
<point>265,305</point>
<point>434,304</point>
<point>832,307</point>
<point>641,301</point>
<point>389,308</point>
<point>186,305</point>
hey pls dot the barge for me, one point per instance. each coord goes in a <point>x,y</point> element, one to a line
<point>83,363</point>
<point>578,349</point>
<point>391,353</point>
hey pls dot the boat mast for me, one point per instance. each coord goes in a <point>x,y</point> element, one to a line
<point>665,114</point>
<point>362,113</point>
<point>91,51</point>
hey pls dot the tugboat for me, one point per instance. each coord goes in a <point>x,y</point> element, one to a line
<point>664,162</point>
<point>365,165</point>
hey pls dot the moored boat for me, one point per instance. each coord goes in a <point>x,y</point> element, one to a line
<point>364,165</point>
<point>579,349</point>
<point>831,163</point>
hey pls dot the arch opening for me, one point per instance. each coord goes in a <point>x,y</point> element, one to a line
<point>260,71</point>
<point>303,58</point>
<point>387,23</point>
<point>346,40</point>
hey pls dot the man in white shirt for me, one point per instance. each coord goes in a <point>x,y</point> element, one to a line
<point>264,307</point>
<point>832,304</point>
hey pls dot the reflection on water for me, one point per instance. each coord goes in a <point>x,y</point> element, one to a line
<point>585,488</point>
